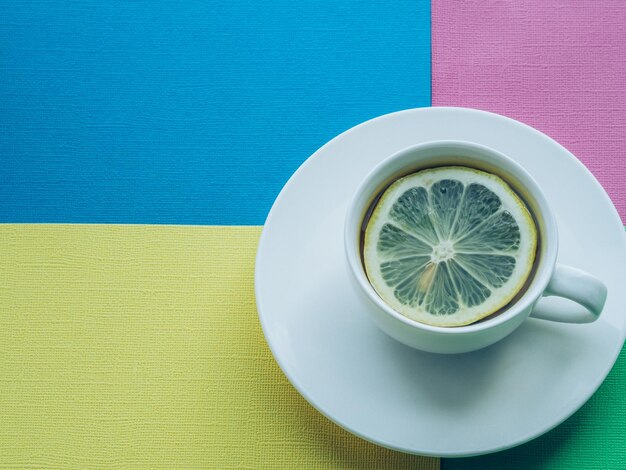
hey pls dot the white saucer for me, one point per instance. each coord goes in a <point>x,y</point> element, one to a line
<point>408,400</point>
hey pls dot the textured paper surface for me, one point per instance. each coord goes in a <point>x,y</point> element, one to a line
<point>140,347</point>
<point>559,66</point>
<point>193,112</point>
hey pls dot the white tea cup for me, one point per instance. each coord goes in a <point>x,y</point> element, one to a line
<point>549,278</point>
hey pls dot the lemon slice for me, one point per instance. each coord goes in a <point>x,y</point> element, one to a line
<point>449,246</point>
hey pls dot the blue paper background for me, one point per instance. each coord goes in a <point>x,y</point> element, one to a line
<point>189,112</point>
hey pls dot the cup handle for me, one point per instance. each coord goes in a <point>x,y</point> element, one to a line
<point>578,286</point>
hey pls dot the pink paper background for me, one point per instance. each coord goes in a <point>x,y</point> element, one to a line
<point>559,66</point>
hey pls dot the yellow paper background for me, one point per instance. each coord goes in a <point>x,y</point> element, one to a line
<point>139,346</point>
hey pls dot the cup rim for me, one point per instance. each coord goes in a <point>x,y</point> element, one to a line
<point>541,277</point>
